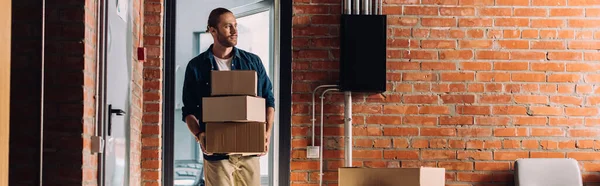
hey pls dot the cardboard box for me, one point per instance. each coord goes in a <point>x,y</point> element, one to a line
<point>233,109</point>
<point>423,176</point>
<point>235,138</point>
<point>233,83</point>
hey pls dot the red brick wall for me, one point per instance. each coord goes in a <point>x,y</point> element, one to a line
<point>152,84</point>
<point>135,169</point>
<point>472,86</point>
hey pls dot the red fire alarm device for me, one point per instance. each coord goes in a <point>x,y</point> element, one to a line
<point>141,54</point>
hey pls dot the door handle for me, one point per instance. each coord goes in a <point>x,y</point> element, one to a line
<point>112,111</point>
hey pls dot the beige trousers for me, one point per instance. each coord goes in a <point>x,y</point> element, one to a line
<point>235,171</point>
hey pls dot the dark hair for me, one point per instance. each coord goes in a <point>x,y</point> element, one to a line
<point>213,18</point>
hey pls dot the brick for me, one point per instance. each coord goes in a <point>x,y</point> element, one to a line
<point>530,34</point>
<point>531,12</point>
<point>511,3</point>
<point>511,66</point>
<point>545,111</point>
<point>584,2</point>
<point>530,120</point>
<point>438,44</point>
<point>438,132</point>
<point>474,132</point>
<point>511,22</point>
<point>493,76</point>
<point>400,131</point>
<point>493,120</point>
<point>458,99</point>
<point>438,154</point>
<point>512,34</point>
<point>492,55</point>
<point>549,2</point>
<point>567,12</point>
<point>566,121</point>
<point>581,23</point>
<point>476,65</point>
<point>438,22</point>
<point>403,155</point>
<point>476,44</point>
<point>547,45</point>
<point>581,111</point>
<point>391,10</point>
<point>547,23</point>
<point>528,77</point>
<point>455,55</point>
<point>456,120</point>
<point>547,132</point>
<point>476,2</point>
<point>584,156</point>
<point>473,110</point>
<point>460,76</point>
<point>495,11</point>
<point>402,21</point>
<point>592,12</point>
<point>584,132</point>
<point>476,33</point>
<point>513,44</point>
<point>461,166</point>
<point>548,34</point>
<point>509,110</point>
<point>510,132</point>
<point>510,155</point>
<point>418,10</point>
<point>475,22</point>
<point>310,9</point>
<point>495,99</point>
<point>518,55</point>
<point>420,120</point>
<point>547,155</point>
<point>438,66</point>
<point>492,166</point>
<point>584,45</point>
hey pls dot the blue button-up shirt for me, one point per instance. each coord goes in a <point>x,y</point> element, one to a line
<point>197,83</point>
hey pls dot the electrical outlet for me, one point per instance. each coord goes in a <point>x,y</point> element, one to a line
<point>312,152</point>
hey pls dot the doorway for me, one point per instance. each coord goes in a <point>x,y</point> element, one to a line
<point>258,27</point>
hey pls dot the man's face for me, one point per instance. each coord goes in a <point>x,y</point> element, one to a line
<point>226,31</point>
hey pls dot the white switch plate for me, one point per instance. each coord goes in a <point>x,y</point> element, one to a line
<point>312,152</point>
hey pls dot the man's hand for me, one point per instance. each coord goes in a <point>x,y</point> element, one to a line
<point>201,139</point>
<point>267,142</point>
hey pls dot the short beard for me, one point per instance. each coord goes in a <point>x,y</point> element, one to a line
<point>224,41</point>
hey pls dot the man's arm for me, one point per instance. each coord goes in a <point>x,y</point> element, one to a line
<point>267,90</point>
<point>270,120</point>
<point>191,103</point>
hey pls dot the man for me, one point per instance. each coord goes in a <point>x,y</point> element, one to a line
<point>222,169</point>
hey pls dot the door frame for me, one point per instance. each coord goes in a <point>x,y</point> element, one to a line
<point>5,37</point>
<point>282,10</point>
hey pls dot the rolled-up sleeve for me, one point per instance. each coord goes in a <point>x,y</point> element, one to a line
<point>265,84</point>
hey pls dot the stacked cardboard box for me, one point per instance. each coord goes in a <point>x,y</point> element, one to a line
<point>422,176</point>
<point>235,117</point>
